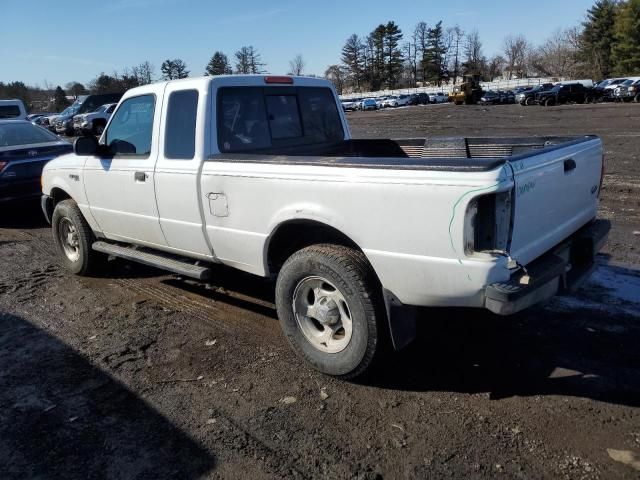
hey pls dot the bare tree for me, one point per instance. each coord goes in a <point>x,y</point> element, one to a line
<point>558,56</point>
<point>475,61</point>
<point>421,41</point>
<point>515,49</point>
<point>337,74</point>
<point>143,73</point>
<point>457,35</point>
<point>296,65</point>
<point>248,60</point>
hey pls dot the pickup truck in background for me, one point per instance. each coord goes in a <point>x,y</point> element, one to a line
<point>261,174</point>
<point>564,93</point>
<point>93,122</point>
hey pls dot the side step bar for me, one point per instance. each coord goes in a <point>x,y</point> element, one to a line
<point>158,260</point>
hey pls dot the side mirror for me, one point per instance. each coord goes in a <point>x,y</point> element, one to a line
<point>85,146</point>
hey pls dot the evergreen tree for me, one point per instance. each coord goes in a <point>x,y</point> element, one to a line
<point>60,101</point>
<point>174,69</point>
<point>598,38</point>
<point>433,56</point>
<point>218,65</point>
<point>393,58</point>
<point>353,58</point>
<point>376,68</point>
<point>626,51</point>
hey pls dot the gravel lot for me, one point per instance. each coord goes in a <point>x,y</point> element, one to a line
<point>137,374</point>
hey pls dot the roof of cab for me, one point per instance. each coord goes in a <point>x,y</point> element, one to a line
<point>229,80</point>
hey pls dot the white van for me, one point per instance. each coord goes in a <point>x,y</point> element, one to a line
<point>12,110</point>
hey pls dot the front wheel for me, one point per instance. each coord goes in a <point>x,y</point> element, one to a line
<point>329,305</point>
<point>73,239</point>
<point>550,102</point>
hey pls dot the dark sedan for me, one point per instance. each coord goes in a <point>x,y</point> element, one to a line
<point>24,150</point>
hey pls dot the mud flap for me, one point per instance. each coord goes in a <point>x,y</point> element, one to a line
<point>402,321</point>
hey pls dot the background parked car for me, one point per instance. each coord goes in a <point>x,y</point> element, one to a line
<point>565,93</point>
<point>94,122</point>
<point>84,104</point>
<point>423,98</point>
<point>12,109</point>
<point>439,97</point>
<point>605,90</point>
<point>349,105</point>
<point>528,97</point>
<point>24,150</point>
<point>369,104</point>
<point>490,98</point>
<point>626,91</point>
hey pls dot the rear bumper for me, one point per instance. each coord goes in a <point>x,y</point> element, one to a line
<point>562,269</point>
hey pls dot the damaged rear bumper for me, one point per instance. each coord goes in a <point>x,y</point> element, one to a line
<point>562,269</point>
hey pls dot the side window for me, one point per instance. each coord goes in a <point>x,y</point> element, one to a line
<point>131,127</point>
<point>180,130</point>
<point>111,109</point>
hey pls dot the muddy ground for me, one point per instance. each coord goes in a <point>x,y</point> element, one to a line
<point>137,374</point>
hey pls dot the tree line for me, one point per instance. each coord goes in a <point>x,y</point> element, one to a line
<point>606,43</point>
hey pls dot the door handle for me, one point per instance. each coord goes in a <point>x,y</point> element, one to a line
<point>140,176</point>
<point>569,164</point>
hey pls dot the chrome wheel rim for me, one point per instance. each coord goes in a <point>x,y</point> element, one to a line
<point>322,314</point>
<point>68,236</point>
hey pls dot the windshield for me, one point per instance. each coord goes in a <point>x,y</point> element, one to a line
<point>24,134</point>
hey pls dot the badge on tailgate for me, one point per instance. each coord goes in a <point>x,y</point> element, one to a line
<point>218,204</point>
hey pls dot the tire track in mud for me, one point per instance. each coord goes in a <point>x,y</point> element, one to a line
<point>228,318</point>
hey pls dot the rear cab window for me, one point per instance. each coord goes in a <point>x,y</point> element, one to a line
<point>263,118</point>
<point>10,111</point>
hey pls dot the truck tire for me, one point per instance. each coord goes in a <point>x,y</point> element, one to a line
<point>330,308</point>
<point>549,102</point>
<point>637,98</point>
<point>529,101</point>
<point>73,239</point>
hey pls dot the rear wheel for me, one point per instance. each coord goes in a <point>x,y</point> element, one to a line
<point>73,239</point>
<point>330,310</point>
<point>549,102</point>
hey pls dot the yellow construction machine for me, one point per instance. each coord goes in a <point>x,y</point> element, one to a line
<point>468,92</point>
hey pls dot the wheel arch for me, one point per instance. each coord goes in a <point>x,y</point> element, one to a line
<point>292,235</point>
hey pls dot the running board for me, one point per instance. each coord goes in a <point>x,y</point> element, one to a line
<point>158,260</point>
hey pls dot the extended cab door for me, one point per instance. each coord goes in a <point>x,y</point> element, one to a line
<point>185,130</point>
<point>120,187</point>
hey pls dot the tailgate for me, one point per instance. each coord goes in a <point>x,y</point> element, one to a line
<point>556,193</point>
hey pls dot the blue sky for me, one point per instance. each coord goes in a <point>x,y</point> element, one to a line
<point>60,41</point>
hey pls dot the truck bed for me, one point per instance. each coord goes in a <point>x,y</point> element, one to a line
<point>433,153</point>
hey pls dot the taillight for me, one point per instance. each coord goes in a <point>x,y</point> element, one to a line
<point>601,176</point>
<point>2,165</point>
<point>488,224</point>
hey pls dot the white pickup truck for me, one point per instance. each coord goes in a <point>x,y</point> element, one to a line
<point>261,174</point>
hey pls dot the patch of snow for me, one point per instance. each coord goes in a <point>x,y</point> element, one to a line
<point>610,289</point>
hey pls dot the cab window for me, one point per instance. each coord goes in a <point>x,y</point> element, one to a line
<point>130,130</point>
<point>255,118</point>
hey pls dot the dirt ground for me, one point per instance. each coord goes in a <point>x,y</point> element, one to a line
<point>138,374</point>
